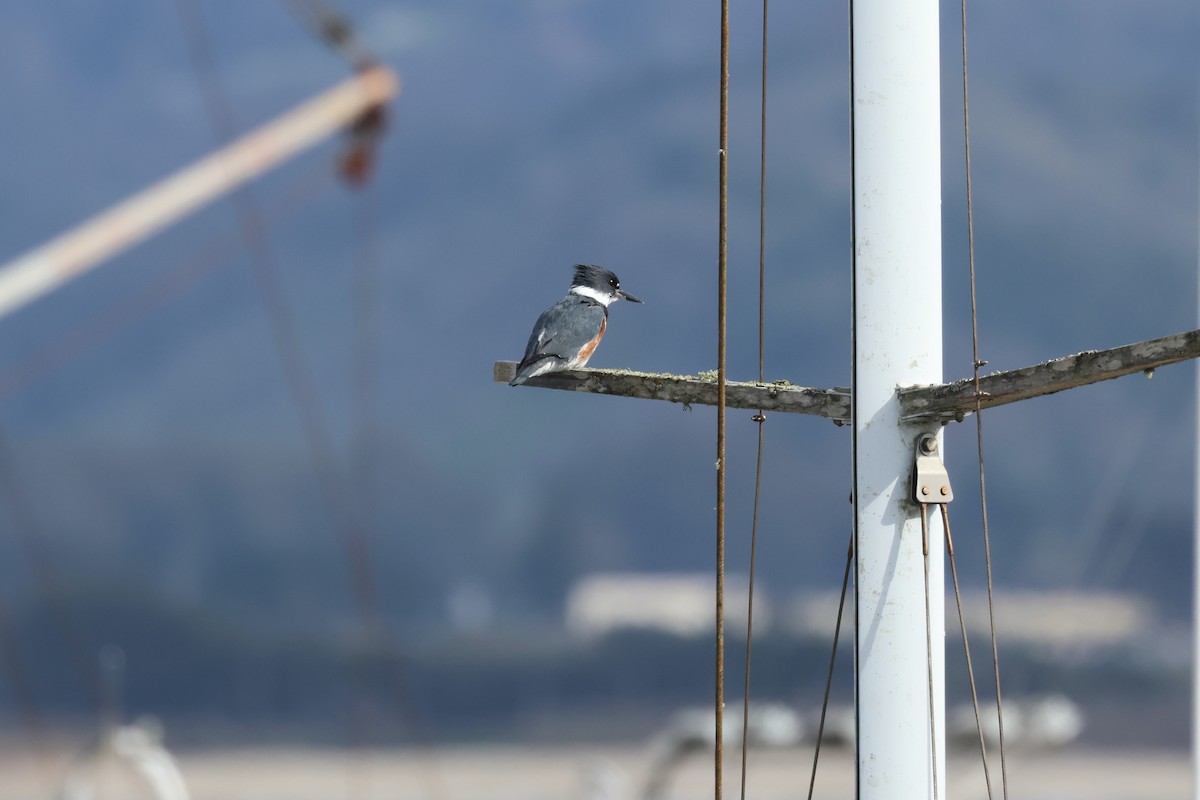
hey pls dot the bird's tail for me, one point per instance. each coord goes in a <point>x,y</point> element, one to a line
<point>532,368</point>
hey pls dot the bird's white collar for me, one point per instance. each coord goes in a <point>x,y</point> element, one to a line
<point>592,294</point>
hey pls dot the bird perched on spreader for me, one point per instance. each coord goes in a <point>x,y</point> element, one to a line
<point>567,333</point>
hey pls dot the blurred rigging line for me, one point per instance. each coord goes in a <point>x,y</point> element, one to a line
<point>216,253</point>
<point>1138,523</point>
<point>279,317</point>
<point>355,167</point>
<point>334,28</point>
<point>759,418</point>
<point>1090,546</point>
<point>32,539</point>
<point>22,690</point>
<point>365,358</point>
<point>402,699</point>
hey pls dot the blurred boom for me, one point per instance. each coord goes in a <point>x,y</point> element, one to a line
<point>44,268</point>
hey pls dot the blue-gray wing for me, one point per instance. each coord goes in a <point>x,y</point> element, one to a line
<point>561,332</point>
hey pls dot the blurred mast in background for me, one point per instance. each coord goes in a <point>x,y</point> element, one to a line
<point>44,268</point>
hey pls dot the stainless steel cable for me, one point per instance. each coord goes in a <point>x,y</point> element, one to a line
<point>933,748</point>
<point>837,630</point>
<point>977,364</point>
<point>759,418</point>
<point>762,207</point>
<point>962,628</point>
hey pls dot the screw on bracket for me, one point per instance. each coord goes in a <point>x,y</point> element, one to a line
<point>931,482</point>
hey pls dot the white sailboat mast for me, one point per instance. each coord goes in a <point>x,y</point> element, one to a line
<point>897,342</point>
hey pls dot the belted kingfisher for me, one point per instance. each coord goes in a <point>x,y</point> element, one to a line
<point>567,333</point>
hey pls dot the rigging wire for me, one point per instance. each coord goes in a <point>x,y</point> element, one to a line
<point>762,208</point>
<point>837,631</point>
<point>962,629</point>
<point>722,280</point>
<point>933,744</point>
<point>759,418</point>
<point>977,363</point>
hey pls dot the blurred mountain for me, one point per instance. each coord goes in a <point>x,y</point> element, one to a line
<point>166,451</point>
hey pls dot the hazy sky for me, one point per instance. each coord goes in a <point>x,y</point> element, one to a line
<point>531,136</point>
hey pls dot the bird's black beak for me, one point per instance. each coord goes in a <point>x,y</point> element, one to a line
<point>624,295</point>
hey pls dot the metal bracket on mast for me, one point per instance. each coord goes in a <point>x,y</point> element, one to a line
<point>931,482</point>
